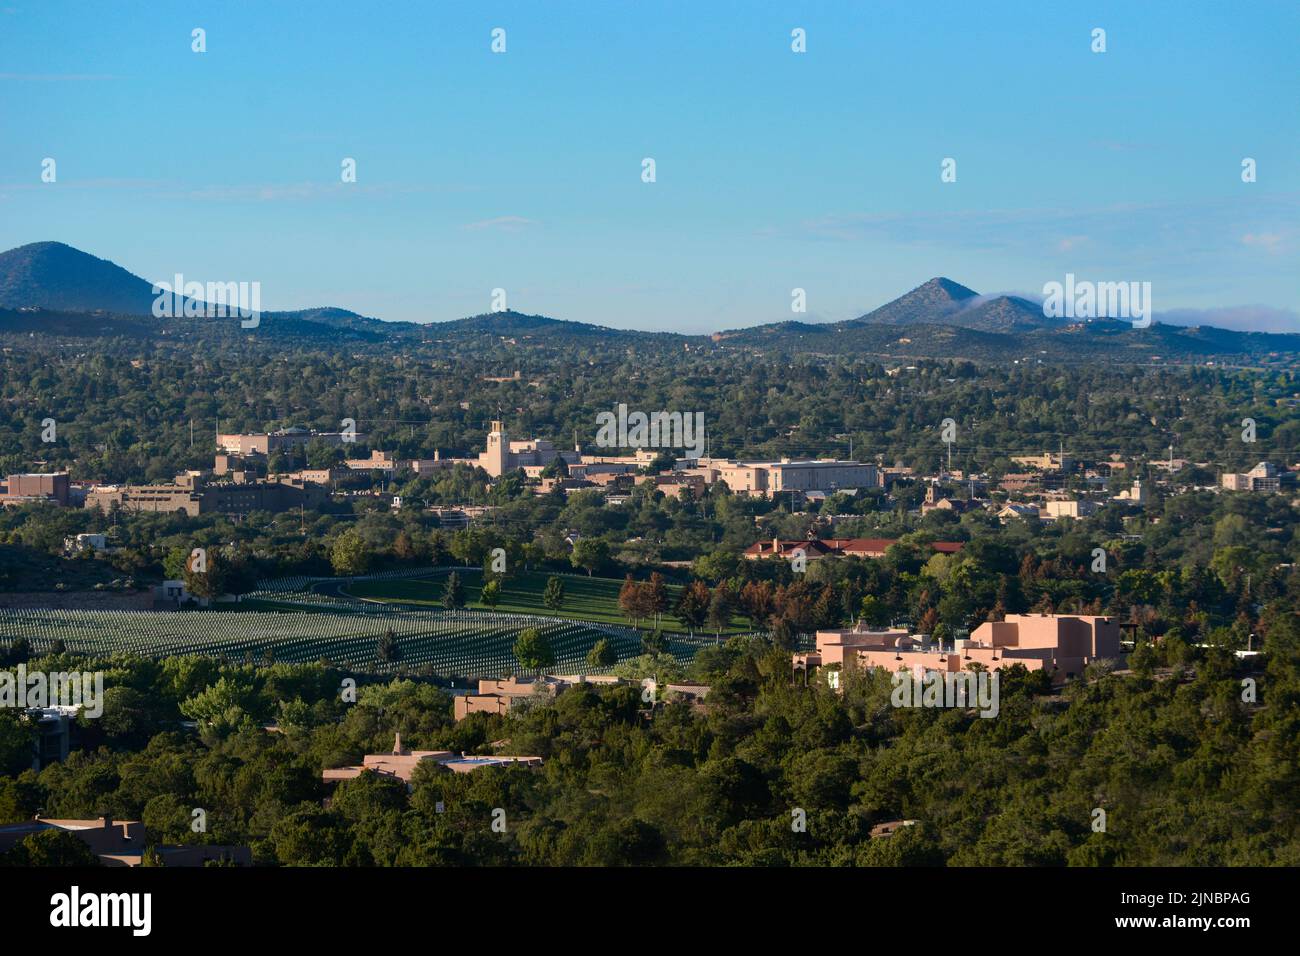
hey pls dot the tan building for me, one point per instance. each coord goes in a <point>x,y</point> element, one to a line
<point>504,455</point>
<point>771,478</point>
<point>51,487</point>
<point>1052,510</point>
<point>378,461</point>
<point>192,494</point>
<point>1061,644</point>
<point>1045,462</point>
<point>1265,476</point>
<point>266,443</point>
<point>497,696</point>
<point>401,763</point>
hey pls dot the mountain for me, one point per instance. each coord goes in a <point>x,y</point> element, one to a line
<point>75,291</point>
<point>930,302</point>
<point>49,288</point>
<point>944,319</point>
<point>51,275</point>
<point>944,302</point>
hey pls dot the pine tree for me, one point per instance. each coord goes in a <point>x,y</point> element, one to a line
<point>453,593</point>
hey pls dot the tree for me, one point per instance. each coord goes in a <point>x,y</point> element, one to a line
<point>756,600</point>
<point>20,650</point>
<point>533,650</point>
<point>720,605</point>
<point>206,577</point>
<point>589,554</point>
<point>453,593</point>
<point>629,601</point>
<point>874,611</point>
<point>490,595</point>
<point>693,604</point>
<point>350,554</point>
<point>656,596</point>
<point>386,648</point>
<point>928,622</point>
<point>601,655</point>
<point>53,848</point>
<point>553,594</point>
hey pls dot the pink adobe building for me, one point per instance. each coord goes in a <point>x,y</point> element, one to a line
<point>840,646</point>
<point>1062,644</point>
<point>401,763</point>
<point>498,696</point>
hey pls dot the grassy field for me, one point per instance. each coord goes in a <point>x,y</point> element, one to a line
<point>585,599</point>
<point>447,643</point>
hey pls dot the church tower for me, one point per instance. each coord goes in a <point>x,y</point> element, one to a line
<point>497,457</point>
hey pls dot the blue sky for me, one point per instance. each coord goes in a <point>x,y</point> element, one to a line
<point>775,170</point>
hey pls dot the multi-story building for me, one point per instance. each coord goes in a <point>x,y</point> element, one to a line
<point>768,479</point>
<point>51,487</point>
<point>1265,476</point>
<point>504,455</point>
<point>192,494</point>
<point>1061,644</point>
<point>267,443</point>
<point>1052,510</point>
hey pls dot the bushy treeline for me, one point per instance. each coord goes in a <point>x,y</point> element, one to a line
<point>124,409</point>
<point>1188,767</point>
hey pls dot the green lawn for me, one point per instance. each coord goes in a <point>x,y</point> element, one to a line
<point>585,599</point>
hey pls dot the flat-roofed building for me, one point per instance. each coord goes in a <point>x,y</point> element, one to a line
<point>52,487</point>
<point>1045,462</point>
<point>770,478</point>
<point>265,443</point>
<point>192,494</point>
<point>122,843</point>
<point>1076,509</point>
<point>503,454</point>
<point>819,475</point>
<point>1266,476</point>
<point>401,763</point>
<point>1060,644</point>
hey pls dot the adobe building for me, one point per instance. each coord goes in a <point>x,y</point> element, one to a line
<point>498,696</point>
<point>1265,476</point>
<point>768,479</point>
<point>193,494</point>
<point>1061,644</point>
<point>504,455</point>
<point>401,763</point>
<point>122,843</point>
<point>833,645</point>
<point>52,487</point>
<point>267,443</point>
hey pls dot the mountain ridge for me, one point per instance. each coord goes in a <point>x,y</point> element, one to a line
<point>53,288</point>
